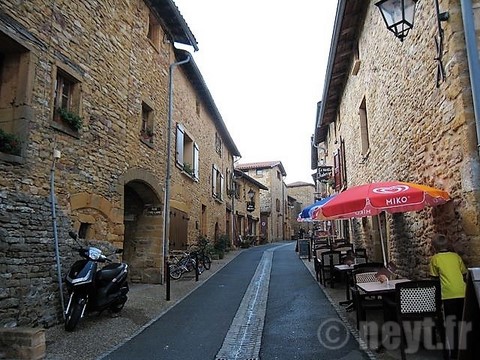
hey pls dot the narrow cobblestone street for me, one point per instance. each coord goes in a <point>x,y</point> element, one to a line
<point>147,304</point>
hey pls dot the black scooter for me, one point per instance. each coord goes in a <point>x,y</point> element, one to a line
<point>90,289</point>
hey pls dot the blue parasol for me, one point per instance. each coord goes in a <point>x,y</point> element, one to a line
<point>306,213</point>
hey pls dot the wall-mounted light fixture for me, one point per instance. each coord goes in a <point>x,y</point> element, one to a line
<point>251,194</point>
<point>251,203</point>
<point>399,15</point>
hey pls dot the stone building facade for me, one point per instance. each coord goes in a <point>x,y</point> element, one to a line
<point>304,195</point>
<point>388,114</point>
<point>84,90</point>
<point>246,208</point>
<point>273,217</point>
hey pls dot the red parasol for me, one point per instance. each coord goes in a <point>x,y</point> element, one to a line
<point>371,199</point>
<point>392,196</point>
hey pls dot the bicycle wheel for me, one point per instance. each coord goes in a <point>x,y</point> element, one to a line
<point>207,262</point>
<point>176,272</point>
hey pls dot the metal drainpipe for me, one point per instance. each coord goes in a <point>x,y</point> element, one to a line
<point>56,155</point>
<point>473,61</point>
<point>234,241</point>
<point>166,210</point>
<point>283,210</point>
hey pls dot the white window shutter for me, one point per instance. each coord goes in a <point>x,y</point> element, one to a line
<point>214,180</point>
<point>180,140</point>
<point>196,163</point>
<point>221,186</point>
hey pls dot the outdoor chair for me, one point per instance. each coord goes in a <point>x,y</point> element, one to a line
<point>328,260</point>
<point>362,301</point>
<point>344,249</point>
<point>361,255</point>
<point>417,301</point>
<point>317,258</point>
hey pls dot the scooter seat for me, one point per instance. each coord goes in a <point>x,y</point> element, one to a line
<point>110,271</point>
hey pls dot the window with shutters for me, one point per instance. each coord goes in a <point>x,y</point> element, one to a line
<point>217,183</point>
<point>186,154</point>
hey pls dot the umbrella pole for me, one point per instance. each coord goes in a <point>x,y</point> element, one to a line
<point>381,241</point>
<point>352,235</point>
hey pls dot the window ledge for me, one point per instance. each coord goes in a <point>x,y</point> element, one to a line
<point>154,46</point>
<point>365,157</point>
<point>14,159</point>
<point>65,129</point>
<point>190,176</point>
<point>147,142</point>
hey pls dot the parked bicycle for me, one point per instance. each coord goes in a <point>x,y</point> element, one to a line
<point>196,258</point>
<point>180,265</point>
<point>202,251</point>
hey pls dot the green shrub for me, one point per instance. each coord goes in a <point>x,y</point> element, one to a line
<point>73,120</point>
<point>10,144</point>
<point>221,244</point>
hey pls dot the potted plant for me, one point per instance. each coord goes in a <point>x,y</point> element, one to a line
<point>147,135</point>
<point>221,245</point>
<point>10,143</point>
<point>188,169</point>
<point>74,121</point>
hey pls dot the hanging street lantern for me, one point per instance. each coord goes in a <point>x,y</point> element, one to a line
<point>398,15</point>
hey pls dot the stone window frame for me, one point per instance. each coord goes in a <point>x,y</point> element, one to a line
<point>63,73</point>
<point>187,153</point>
<point>14,119</point>
<point>153,30</point>
<point>356,59</point>
<point>218,183</point>
<point>218,144</point>
<point>147,126</point>
<point>364,133</point>
<point>238,190</point>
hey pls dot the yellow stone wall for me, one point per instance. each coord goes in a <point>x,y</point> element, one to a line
<point>104,46</point>
<point>417,133</point>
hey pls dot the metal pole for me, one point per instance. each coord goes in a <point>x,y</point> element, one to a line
<point>473,60</point>
<point>166,212</point>
<point>167,281</point>
<point>381,241</point>
<point>56,155</point>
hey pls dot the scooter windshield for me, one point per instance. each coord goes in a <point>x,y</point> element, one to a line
<point>94,253</point>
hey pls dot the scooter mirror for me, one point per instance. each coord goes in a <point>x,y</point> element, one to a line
<point>73,235</point>
<point>119,251</point>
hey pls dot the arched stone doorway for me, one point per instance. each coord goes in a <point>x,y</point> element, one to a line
<point>143,222</point>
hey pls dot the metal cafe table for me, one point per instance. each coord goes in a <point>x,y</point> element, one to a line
<point>378,288</point>
<point>348,270</point>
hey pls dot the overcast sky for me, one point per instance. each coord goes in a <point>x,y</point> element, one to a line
<point>264,62</point>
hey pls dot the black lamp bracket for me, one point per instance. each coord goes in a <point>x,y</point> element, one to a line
<point>441,75</point>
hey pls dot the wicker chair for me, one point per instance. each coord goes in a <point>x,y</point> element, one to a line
<point>419,300</point>
<point>362,301</point>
